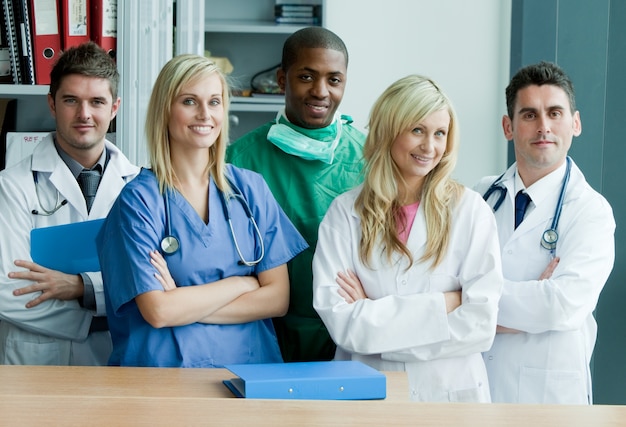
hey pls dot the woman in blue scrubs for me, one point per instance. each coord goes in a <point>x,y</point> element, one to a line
<point>205,298</point>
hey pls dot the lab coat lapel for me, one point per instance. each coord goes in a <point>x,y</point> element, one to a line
<point>505,213</point>
<point>46,160</point>
<point>62,178</point>
<point>117,173</point>
<point>111,184</point>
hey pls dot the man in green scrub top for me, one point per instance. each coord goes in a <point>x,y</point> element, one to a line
<point>309,155</point>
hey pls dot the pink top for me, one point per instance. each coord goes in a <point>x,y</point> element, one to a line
<point>405,221</point>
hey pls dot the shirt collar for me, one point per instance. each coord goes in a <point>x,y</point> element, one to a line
<point>75,167</point>
<point>543,188</point>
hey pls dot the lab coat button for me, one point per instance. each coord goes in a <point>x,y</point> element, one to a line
<point>403,282</point>
<point>490,357</point>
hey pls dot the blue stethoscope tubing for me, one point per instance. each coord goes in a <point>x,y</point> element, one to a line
<point>170,243</point>
<point>550,237</point>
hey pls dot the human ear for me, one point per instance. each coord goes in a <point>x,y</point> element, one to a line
<point>577,124</point>
<point>281,77</point>
<point>507,127</point>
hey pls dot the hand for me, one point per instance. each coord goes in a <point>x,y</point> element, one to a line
<point>547,273</point>
<point>350,287</point>
<point>453,300</point>
<point>52,284</point>
<point>163,273</point>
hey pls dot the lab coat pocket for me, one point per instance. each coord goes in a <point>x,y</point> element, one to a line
<point>444,283</point>
<point>473,395</point>
<point>551,386</point>
<point>33,353</point>
<point>21,347</point>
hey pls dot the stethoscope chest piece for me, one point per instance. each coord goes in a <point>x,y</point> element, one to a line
<point>549,239</point>
<point>169,244</point>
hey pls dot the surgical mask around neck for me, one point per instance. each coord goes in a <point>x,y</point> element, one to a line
<point>309,144</point>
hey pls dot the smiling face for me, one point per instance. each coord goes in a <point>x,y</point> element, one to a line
<point>197,114</point>
<point>83,108</point>
<point>314,87</point>
<point>418,150</point>
<point>542,130</point>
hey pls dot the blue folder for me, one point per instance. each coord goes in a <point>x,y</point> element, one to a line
<point>334,380</point>
<point>70,248</point>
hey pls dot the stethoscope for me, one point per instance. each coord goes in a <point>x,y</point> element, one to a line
<point>550,237</point>
<point>57,205</point>
<point>44,211</point>
<point>170,243</point>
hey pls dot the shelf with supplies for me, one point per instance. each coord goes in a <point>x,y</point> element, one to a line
<point>245,35</point>
<point>33,33</point>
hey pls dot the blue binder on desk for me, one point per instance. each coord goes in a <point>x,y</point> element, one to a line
<point>70,248</point>
<point>334,380</point>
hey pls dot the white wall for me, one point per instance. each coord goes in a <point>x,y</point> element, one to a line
<point>461,44</point>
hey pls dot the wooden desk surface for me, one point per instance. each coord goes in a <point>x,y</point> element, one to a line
<point>124,411</point>
<point>108,381</point>
<point>108,396</point>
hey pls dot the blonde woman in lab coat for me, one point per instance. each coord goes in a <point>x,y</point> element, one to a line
<point>407,272</point>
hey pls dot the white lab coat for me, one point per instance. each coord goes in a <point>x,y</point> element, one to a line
<point>403,325</point>
<point>54,332</point>
<point>549,361</point>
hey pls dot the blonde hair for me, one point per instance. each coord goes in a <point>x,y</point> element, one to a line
<point>178,72</point>
<point>404,104</point>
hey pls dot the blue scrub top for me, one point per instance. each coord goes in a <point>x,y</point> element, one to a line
<point>136,225</point>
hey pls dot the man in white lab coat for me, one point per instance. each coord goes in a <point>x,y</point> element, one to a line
<point>546,329</point>
<point>49,317</point>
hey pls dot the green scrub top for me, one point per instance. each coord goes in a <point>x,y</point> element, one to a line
<point>304,189</point>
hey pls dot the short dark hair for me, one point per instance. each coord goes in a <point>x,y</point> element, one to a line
<point>87,59</point>
<point>310,38</point>
<point>542,73</point>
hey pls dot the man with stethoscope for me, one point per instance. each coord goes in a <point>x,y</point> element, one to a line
<point>48,317</point>
<point>556,255</point>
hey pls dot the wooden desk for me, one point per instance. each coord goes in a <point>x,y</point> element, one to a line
<point>166,411</point>
<point>107,396</point>
<point>137,382</point>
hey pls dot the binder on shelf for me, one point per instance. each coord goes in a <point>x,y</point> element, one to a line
<point>74,22</point>
<point>70,248</point>
<point>12,41</point>
<point>46,38</point>
<point>23,40</point>
<point>5,55</point>
<point>334,380</point>
<point>103,16</point>
<point>21,11</point>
